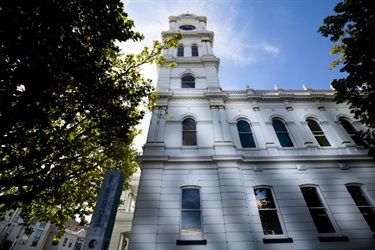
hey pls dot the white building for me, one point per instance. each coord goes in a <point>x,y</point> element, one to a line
<point>248,169</point>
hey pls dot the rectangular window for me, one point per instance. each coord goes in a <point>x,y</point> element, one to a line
<point>64,242</point>
<point>191,217</point>
<point>363,204</point>
<point>42,224</point>
<point>180,51</point>
<point>37,236</point>
<point>70,242</point>
<point>318,211</point>
<point>268,211</point>
<point>194,50</point>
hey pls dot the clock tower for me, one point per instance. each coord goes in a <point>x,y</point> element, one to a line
<point>194,57</point>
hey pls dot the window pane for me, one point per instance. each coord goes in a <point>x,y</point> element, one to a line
<point>37,235</point>
<point>322,221</point>
<point>282,133</point>
<point>189,135</point>
<point>247,141</point>
<point>270,222</point>
<point>318,133</point>
<point>285,140</point>
<point>64,242</point>
<point>189,138</point>
<point>191,223</point>
<point>188,124</point>
<point>278,126</point>
<point>190,198</point>
<point>188,82</point>
<point>311,197</point>
<point>367,211</point>
<point>180,51</point>
<point>264,198</point>
<point>347,126</point>
<point>369,214</point>
<point>322,140</point>
<point>354,134</point>
<point>194,51</point>
<point>246,136</point>
<point>313,125</point>
<point>243,126</point>
<point>357,195</point>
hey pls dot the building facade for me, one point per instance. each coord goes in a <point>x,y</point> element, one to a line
<point>43,236</point>
<point>248,169</point>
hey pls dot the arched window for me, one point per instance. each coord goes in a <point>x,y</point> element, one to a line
<point>194,50</point>
<point>354,134</point>
<point>363,204</point>
<point>189,132</point>
<point>318,210</point>
<point>282,133</point>
<point>268,211</point>
<point>318,133</point>
<point>246,135</point>
<point>188,81</point>
<point>180,50</point>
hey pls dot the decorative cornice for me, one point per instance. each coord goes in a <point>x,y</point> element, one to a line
<point>259,96</point>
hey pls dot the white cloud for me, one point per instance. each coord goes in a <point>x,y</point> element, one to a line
<point>270,49</point>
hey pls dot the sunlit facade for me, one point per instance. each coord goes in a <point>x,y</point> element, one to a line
<point>248,169</point>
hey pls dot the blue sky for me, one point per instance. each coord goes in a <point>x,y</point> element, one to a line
<point>261,43</point>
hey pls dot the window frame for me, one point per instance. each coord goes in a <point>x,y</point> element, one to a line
<point>194,50</point>
<point>70,243</point>
<point>188,83</point>
<point>184,210</point>
<point>324,207</point>
<point>36,238</point>
<point>352,132</point>
<point>284,233</point>
<point>180,50</point>
<point>185,131</point>
<point>317,133</point>
<point>370,204</point>
<point>286,132</point>
<point>246,133</point>
<point>64,242</point>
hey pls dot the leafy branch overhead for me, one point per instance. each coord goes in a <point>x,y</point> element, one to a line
<point>352,29</point>
<point>69,102</point>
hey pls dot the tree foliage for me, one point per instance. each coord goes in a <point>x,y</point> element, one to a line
<point>352,29</point>
<point>69,101</point>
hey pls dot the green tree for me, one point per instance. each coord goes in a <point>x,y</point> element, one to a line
<point>69,101</point>
<point>352,29</point>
